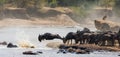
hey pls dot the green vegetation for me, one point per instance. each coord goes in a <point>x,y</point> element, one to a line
<point>80,7</point>
<point>117,7</point>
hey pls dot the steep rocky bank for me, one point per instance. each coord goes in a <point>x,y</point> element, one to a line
<point>44,16</point>
<point>106,25</point>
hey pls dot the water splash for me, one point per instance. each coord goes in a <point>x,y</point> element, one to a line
<point>23,39</point>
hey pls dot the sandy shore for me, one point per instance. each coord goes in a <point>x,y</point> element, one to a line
<point>35,22</point>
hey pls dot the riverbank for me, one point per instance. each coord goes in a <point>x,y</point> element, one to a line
<point>45,16</point>
<point>88,46</point>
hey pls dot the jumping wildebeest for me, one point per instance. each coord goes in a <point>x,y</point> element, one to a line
<point>48,36</point>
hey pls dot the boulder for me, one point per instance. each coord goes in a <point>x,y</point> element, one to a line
<point>71,50</point>
<point>79,51</point>
<point>10,45</point>
<point>63,46</point>
<point>32,52</point>
<point>55,45</point>
<point>62,51</point>
<point>3,43</point>
<point>39,52</point>
<point>29,53</point>
<point>106,25</point>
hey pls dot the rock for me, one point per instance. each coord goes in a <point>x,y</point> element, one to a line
<point>30,53</point>
<point>39,52</point>
<point>79,51</point>
<point>62,51</point>
<point>118,55</point>
<point>105,25</point>
<point>3,43</point>
<point>71,50</point>
<point>88,50</point>
<point>54,44</point>
<point>32,46</point>
<point>63,47</point>
<point>82,48</point>
<point>74,47</point>
<point>10,45</point>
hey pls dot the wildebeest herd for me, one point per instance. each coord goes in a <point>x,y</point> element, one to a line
<point>86,36</point>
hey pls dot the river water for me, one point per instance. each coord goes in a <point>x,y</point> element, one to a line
<point>17,35</point>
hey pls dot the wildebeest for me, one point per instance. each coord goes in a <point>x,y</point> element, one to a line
<point>82,36</point>
<point>103,38</point>
<point>48,36</point>
<point>69,37</point>
<point>106,38</point>
<point>118,37</point>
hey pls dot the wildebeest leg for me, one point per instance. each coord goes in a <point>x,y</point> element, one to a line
<point>68,42</point>
<point>76,41</point>
<point>112,41</point>
<point>87,41</point>
<point>103,43</point>
<point>119,42</point>
<point>99,43</point>
<point>71,41</point>
<point>90,41</point>
<point>96,43</point>
<point>84,41</point>
<point>80,41</point>
<point>108,43</point>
